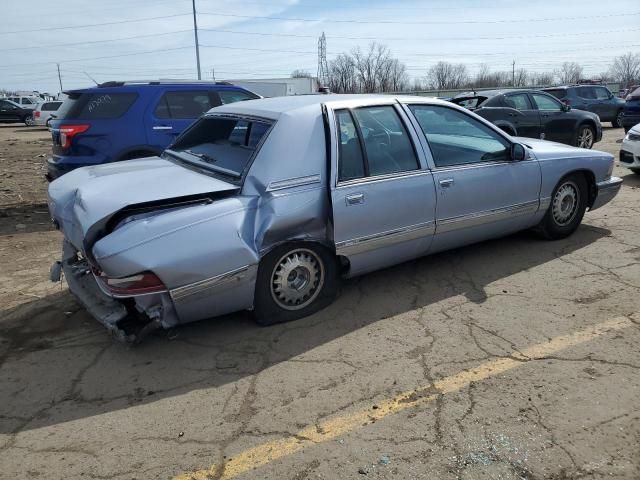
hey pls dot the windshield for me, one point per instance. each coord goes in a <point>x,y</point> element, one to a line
<point>222,144</point>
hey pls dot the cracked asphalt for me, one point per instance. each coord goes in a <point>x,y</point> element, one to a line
<point>479,363</point>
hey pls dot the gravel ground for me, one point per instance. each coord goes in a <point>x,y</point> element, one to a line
<point>511,359</point>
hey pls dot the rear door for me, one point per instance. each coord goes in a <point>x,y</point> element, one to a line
<point>557,125</point>
<point>8,111</point>
<point>382,192</point>
<point>174,111</point>
<point>605,106</point>
<point>528,124</point>
<point>586,99</point>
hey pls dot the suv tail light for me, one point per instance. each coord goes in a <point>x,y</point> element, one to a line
<point>139,284</point>
<point>37,114</point>
<point>69,131</point>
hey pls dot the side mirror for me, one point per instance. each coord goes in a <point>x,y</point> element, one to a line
<point>566,108</point>
<point>518,152</point>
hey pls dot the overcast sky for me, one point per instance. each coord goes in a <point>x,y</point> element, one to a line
<point>125,39</point>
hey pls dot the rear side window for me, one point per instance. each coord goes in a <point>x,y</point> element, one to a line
<point>221,144</point>
<point>383,143</point>
<point>231,96</point>
<point>519,101</point>
<point>183,105</point>
<point>96,106</point>
<point>558,92</point>
<point>586,92</point>
<point>51,106</point>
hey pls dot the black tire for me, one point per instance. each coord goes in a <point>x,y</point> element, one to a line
<point>552,227</point>
<point>617,122</point>
<point>635,170</point>
<point>28,120</point>
<point>583,131</point>
<point>271,303</point>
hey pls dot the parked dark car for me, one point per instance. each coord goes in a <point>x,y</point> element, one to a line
<point>535,114</point>
<point>631,112</point>
<point>124,120</point>
<point>11,112</point>
<point>592,98</point>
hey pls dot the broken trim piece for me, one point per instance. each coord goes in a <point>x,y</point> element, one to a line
<point>181,293</point>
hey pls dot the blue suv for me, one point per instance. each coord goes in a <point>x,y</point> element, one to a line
<point>124,120</point>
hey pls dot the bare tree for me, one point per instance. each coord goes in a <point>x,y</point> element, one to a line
<point>541,79</point>
<point>626,69</point>
<point>446,76</point>
<point>301,74</point>
<point>520,78</point>
<point>342,74</point>
<point>569,72</point>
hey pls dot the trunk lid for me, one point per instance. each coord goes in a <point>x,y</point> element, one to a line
<point>83,201</point>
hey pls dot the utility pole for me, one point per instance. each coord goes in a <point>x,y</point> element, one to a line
<point>213,74</point>
<point>59,77</point>
<point>195,31</point>
<point>513,74</point>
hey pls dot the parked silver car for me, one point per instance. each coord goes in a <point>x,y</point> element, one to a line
<point>43,112</point>
<point>264,205</point>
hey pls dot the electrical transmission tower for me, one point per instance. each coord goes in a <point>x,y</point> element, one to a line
<point>323,68</point>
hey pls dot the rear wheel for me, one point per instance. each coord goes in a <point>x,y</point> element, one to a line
<point>586,136</point>
<point>617,122</point>
<point>28,120</point>
<point>568,204</point>
<point>294,281</point>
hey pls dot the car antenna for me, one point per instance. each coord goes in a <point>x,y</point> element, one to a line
<point>91,78</point>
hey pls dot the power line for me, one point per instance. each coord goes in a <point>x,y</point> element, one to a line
<point>404,22</point>
<point>48,29</point>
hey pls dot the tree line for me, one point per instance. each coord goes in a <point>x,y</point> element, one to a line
<point>376,70</point>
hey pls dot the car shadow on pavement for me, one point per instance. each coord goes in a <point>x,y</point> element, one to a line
<point>58,365</point>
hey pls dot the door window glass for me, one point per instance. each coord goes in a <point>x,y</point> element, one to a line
<point>602,93</point>
<point>546,103</point>
<point>231,96</point>
<point>519,101</point>
<point>457,139</point>
<point>350,158</point>
<point>587,93</point>
<point>386,141</point>
<point>183,105</point>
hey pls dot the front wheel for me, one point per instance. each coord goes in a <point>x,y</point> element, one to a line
<point>617,122</point>
<point>568,204</point>
<point>586,137</point>
<point>294,281</point>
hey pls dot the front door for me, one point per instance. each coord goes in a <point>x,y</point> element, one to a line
<point>383,195</point>
<point>481,192</point>
<point>8,111</point>
<point>557,124</point>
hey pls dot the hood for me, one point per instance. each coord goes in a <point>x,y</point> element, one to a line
<point>544,149</point>
<point>84,200</point>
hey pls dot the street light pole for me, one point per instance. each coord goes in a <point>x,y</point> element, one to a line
<point>195,31</point>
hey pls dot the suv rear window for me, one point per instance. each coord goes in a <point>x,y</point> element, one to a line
<point>221,144</point>
<point>96,106</point>
<point>557,92</point>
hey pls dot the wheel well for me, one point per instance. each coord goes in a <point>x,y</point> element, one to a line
<point>589,123</point>
<point>591,184</point>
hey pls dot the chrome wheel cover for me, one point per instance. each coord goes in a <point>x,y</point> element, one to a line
<point>585,138</point>
<point>297,279</point>
<point>565,203</point>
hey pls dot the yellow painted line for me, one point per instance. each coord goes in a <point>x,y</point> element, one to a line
<point>334,427</point>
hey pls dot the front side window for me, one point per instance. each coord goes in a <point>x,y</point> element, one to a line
<point>221,144</point>
<point>587,93</point>
<point>546,103</point>
<point>183,105</point>
<point>231,96</point>
<point>457,139</point>
<point>519,101</point>
<point>602,93</point>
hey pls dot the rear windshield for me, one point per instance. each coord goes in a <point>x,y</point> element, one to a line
<point>224,145</point>
<point>96,106</point>
<point>557,92</point>
<point>470,102</point>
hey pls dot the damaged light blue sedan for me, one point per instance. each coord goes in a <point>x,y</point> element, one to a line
<point>265,205</point>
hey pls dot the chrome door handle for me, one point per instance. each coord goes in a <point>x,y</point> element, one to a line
<point>355,199</point>
<point>162,127</point>
<point>446,182</point>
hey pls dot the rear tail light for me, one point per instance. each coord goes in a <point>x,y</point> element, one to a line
<point>37,114</point>
<point>139,284</point>
<point>69,131</point>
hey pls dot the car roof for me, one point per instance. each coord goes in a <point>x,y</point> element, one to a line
<point>275,106</point>
<point>135,85</point>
